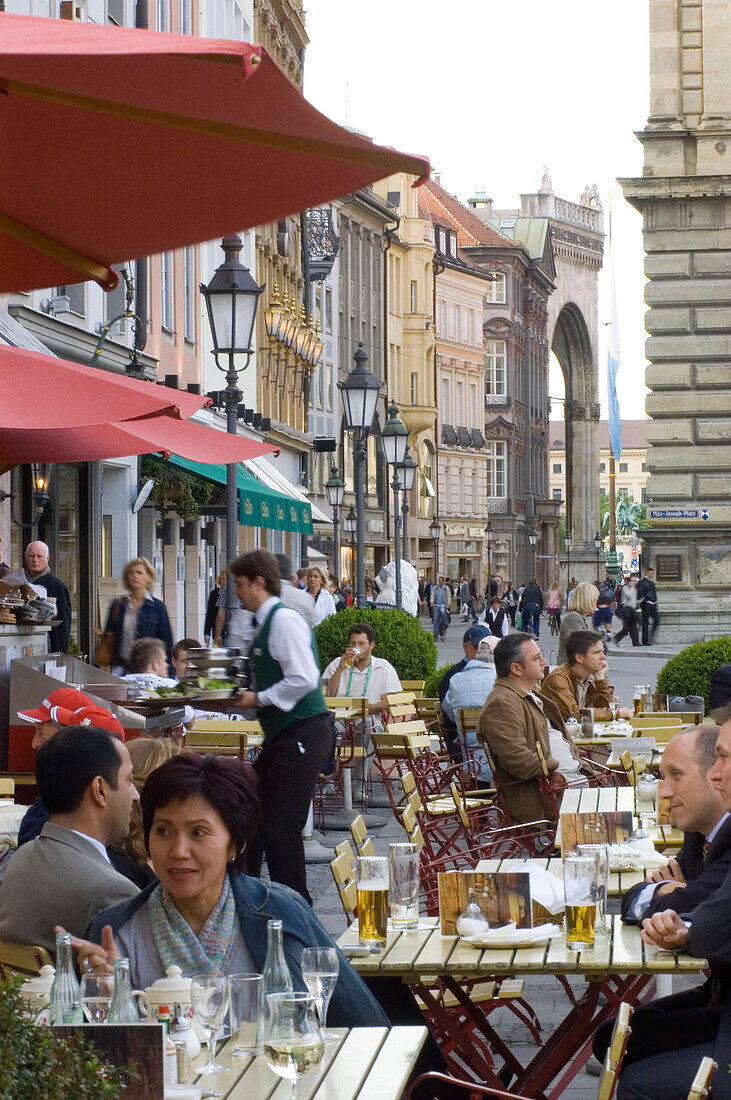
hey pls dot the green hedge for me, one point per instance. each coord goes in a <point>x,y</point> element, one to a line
<point>689,672</point>
<point>400,638</point>
<point>433,681</point>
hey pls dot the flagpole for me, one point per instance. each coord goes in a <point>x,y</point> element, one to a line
<point>613,413</point>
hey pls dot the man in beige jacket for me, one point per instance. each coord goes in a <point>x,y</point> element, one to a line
<point>514,720</point>
<point>582,681</point>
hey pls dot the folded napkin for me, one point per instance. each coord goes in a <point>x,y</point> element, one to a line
<point>545,887</point>
<point>513,936</point>
<point>636,855</point>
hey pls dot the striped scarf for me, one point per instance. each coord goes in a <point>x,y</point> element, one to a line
<point>177,943</point>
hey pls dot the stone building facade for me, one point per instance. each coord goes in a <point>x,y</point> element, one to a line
<point>684,196</point>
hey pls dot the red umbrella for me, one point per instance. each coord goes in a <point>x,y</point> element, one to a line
<point>132,437</point>
<point>40,392</point>
<point>119,143</point>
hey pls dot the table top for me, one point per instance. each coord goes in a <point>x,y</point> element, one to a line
<point>363,1063</point>
<point>607,799</point>
<point>425,951</point>
<point>619,881</point>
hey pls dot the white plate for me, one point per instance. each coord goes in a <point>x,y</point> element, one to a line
<point>524,937</point>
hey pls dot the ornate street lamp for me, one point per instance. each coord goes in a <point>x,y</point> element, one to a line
<point>533,539</point>
<point>567,544</point>
<point>489,531</point>
<point>435,529</point>
<point>40,480</point>
<point>335,490</point>
<point>359,394</point>
<point>394,438</point>
<point>406,475</point>
<point>598,546</point>
<point>231,298</point>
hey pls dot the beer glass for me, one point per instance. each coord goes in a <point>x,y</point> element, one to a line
<point>371,876</point>
<point>403,882</point>
<point>580,890</point>
<point>599,852</point>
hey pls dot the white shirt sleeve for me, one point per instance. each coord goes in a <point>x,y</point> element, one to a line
<point>290,644</point>
<point>506,625</point>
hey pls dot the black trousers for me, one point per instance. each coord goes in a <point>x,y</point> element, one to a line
<point>649,613</point>
<point>287,771</point>
<point>668,1041</point>
<point>629,626</point>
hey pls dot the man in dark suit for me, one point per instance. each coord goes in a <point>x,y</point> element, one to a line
<point>696,807</point>
<point>672,1035</point>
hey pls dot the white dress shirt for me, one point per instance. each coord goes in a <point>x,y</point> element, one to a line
<point>290,644</point>
<point>645,896</point>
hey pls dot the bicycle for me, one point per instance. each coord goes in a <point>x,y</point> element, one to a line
<point>554,621</point>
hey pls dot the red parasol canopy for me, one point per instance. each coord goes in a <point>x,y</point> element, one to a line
<point>119,143</point>
<point>38,391</point>
<point>132,437</point>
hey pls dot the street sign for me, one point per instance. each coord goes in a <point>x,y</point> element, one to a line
<point>498,579</point>
<point>679,513</point>
<point>546,555</point>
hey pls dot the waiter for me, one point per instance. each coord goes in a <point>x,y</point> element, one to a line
<point>290,706</point>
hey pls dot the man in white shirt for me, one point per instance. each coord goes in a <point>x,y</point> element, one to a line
<point>292,595</point>
<point>290,706</point>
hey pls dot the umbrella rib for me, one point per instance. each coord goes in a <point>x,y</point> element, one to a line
<point>47,246</point>
<point>377,158</point>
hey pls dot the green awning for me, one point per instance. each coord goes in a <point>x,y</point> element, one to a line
<point>259,506</point>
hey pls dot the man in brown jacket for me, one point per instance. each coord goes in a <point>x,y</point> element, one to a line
<point>514,720</point>
<point>582,681</point>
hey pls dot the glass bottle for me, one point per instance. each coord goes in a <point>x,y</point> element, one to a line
<point>65,997</point>
<point>276,973</point>
<point>122,1009</point>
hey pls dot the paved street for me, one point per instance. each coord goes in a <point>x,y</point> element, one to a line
<point>627,668</point>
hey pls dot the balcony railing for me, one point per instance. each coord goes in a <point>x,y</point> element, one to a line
<point>497,401</point>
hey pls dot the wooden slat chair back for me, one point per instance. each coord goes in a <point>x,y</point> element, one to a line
<point>626,761</point>
<point>363,843</point>
<point>416,686</point>
<point>225,725</point>
<point>412,827</point>
<point>344,876</point>
<point>648,721</point>
<point>410,790</point>
<point>615,1054</point>
<point>22,958</point>
<point>7,787</point>
<point>701,1085</point>
<point>219,742</point>
<point>401,706</point>
<point>345,848</point>
<point>430,712</point>
<point>664,734</point>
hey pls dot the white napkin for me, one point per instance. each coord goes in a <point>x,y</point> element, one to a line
<point>638,855</point>
<point>515,936</point>
<point>545,887</point>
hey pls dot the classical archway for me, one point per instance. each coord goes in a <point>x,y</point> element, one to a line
<point>571,343</point>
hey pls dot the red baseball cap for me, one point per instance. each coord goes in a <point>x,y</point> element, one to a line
<point>93,715</point>
<point>68,698</point>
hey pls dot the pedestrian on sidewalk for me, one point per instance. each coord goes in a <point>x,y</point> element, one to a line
<point>647,599</point>
<point>627,610</point>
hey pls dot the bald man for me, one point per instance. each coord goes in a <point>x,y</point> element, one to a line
<point>38,573</point>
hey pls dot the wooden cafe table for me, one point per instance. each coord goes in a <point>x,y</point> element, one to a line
<point>619,967</point>
<point>363,1063</point>
<point>607,799</point>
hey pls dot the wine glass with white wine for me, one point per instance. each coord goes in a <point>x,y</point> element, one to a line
<point>320,969</point>
<point>293,1043</point>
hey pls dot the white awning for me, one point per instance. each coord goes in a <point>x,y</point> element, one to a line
<point>270,476</point>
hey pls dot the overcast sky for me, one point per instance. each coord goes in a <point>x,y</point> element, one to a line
<point>492,91</point>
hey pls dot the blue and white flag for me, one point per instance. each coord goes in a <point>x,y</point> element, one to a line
<point>615,421</point>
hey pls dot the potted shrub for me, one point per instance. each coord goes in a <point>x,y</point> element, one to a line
<point>400,638</point>
<point>689,672</point>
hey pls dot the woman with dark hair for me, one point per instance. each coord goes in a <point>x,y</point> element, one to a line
<point>199,813</point>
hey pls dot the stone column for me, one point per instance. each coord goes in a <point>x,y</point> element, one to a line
<point>665,104</point>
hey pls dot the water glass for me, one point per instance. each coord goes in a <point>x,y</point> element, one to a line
<point>371,876</point>
<point>580,891</point>
<point>209,996</point>
<point>293,1044</point>
<point>96,996</point>
<point>246,995</point>
<point>403,885</point>
<point>320,969</point>
<point>599,852</point>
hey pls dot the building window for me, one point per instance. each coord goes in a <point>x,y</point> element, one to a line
<point>495,367</point>
<point>328,309</point>
<point>460,403</point>
<point>557,494</point>
<point>644,467</point>
<point>602,467</point>
<point>76,295</point>
<point>329,387</point>
<point>162,15</point>
<point>414,389</point>
<point>496,289</point>
<point>557,467</point>
<point>115,302</point>
<point>458,323</point>
<point>496,468</point>
<point>115,12</point>
<point>446,403</point>
<point>645,496</point>
<point>166,288</point>
<point>623,467</point>
<point>414,305</point>
<point>189,292</point>
<point>186,17</point>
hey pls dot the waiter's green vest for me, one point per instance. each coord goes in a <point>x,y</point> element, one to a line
<point>268,672</point>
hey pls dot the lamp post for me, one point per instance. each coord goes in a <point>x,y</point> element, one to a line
<point>435,529</point>
<point>359,394</point>
<point>567,544</point>
<point>406,475</point>
<point>533,539</point>
<point>335,490</point>
<point>349,525</point>
<point>598,544</point>
<point>489,530</point>
<point>231,299</point>
<point>395,439</point>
